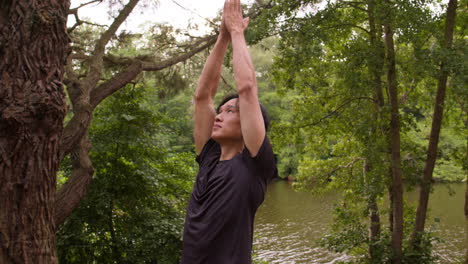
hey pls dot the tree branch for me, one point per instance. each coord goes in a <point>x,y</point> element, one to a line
<point>79,22</point>
<point>336,111</point>
<point>70,194</point>
<point>193,12</point>
<point>80,90</point>
<point>351,164</point>
<point>96,60</point>
<point>404,97</point>
<point>74,10</point>
<point>75,128</point>
<point>115,83</point>
<point>351,25</point>
<point>354,4</point>
<point>79,123</point>
<point>210,40</point>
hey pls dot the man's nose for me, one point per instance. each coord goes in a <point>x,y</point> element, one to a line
<point>218,117</point>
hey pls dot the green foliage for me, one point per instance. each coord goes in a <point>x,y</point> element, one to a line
<point>354,240</point>
<point>353,237</point>
<point>335,133</point>
<point>134,209</point>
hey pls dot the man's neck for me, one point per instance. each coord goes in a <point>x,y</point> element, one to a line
<point>230,149</point>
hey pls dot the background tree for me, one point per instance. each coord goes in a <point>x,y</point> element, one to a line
<point>436,124</point>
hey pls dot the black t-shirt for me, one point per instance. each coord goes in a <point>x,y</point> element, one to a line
<point>220,215</point>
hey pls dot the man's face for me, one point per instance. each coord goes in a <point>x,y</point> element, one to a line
<point>227,124</point>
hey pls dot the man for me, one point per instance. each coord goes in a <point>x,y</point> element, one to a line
<point>235,156</point>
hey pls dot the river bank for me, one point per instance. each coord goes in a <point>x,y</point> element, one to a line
<point>288,224</point>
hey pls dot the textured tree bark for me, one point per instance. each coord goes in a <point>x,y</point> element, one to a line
<point>71,193</point>
<point>34,46</point>
<point>397,186</point>
<point>374,219</point>
<point>466,207</point>
<point>390,206</point>
<point>377,56</point>
<point>374,228</point>
<point>466,195</point>
<point>465,168</point>
<point>426,181</point>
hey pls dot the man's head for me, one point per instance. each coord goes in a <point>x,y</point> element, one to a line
<point>227,121</point>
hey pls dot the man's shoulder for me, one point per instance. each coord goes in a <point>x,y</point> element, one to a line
<point>210,150</point>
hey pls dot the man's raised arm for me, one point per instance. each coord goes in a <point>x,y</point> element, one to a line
<point>204,114</point>
<point>253,129</point>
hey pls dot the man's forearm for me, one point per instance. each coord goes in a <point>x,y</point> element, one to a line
<point>211,74</point>
<point>244,71</point>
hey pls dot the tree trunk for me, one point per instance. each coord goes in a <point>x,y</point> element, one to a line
<point>435,129</point>
<point>374,229</point>
<point>116,255</point>
<point>390,213</point>
<point>376,58</point>
<point>33,49</point>
<point>466,211</point>
<point>466,196</point>
<point>397,186</point>
<point>376,63</point>
<point>466,220</point>
<point>374,216</point>
<point>70,194</point>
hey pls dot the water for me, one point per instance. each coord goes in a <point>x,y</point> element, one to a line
<point>288,224</point>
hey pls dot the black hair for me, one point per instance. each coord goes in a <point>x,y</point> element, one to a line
<point>266,117</point>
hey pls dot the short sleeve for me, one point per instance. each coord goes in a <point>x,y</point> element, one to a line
<point>264,162</point>
<point>211,148</point>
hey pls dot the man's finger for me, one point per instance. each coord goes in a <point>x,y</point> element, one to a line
<point>236,5</point>
<point>226,5</point>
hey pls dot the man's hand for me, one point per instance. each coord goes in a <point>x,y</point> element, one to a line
<point>232,17</point>
<point>223,32</point>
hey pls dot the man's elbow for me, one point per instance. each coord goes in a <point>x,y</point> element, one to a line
<point>247,88</point>
<point>201,97</point>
